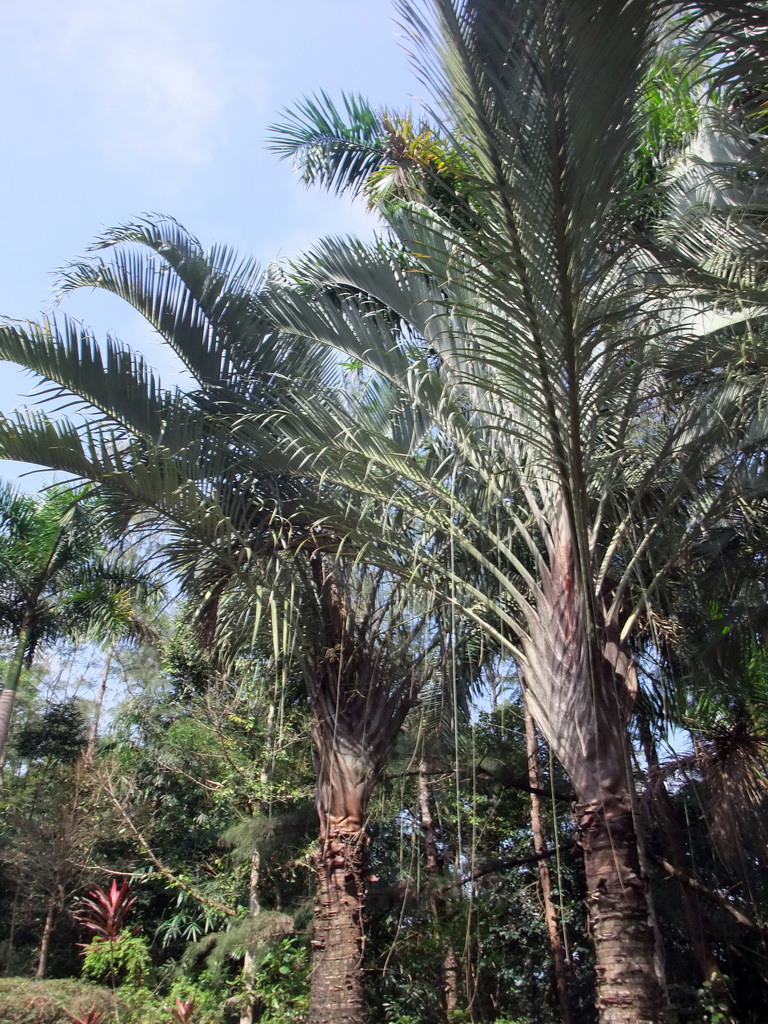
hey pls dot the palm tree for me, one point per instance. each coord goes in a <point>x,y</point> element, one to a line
<point>208,473</point>
<point>590,434</point>
<point>57,581</point>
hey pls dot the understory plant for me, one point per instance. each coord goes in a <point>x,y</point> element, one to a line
<point>113,951</point>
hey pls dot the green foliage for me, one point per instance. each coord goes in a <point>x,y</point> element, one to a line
<point>57,735</point>
<point>125,959</point>
<point>281,985</point>
<point>670,116</point>
<point>23,1001</point>
<point>56,578</point>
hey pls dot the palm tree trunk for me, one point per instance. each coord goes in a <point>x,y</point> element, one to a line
<point>8,694</point>
<point>626,977</point>
<point>627,987</point>
<point>545,880</point>
<point>357,712</point>
<point>579,687</point>
<point>336,995</point>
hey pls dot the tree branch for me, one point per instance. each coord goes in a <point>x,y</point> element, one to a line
<point>499,865</point>
<point>191,890</point>
<point>714,897</point>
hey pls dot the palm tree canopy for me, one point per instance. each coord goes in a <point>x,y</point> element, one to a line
<point>56,579</point>
<point>586,379</point>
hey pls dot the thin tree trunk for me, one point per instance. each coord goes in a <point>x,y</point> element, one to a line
<point>545,879</point>
<point>451,982</point>
<point>254,907</point>
<point>249,961</point>
<point>8,694</point>
<point>450,971</point>
<point>45,942</point>
<point>675,846</point>
<point>12,929</point>
<point>94,730</point>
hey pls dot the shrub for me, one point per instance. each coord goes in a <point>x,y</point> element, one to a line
<point>23,1001</point>
<point>124,959</point>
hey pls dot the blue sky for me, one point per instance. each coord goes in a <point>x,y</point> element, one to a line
<point>116,108</point>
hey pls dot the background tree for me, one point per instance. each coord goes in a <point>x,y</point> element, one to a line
<point>56,580</point>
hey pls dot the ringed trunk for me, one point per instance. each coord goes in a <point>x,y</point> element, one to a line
<point>345,777</point>
<point>338,942</point>
<point>627,988</point>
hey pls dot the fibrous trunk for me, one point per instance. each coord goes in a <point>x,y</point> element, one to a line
<point>579,687</point>
<point>345,776</point>
<point>337,974</point>
<point>357,711</point>
<point>627,989</point>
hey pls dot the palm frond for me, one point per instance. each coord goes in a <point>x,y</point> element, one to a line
<point>339,147</point>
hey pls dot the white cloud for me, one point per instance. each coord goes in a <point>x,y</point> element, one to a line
<point>145,79</point>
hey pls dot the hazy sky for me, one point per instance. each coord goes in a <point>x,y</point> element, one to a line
<point>114,108</point>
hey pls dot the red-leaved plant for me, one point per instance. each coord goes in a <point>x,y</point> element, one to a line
<point>92,1016</point>
<point>106,912</point>
<point>184,1010</point>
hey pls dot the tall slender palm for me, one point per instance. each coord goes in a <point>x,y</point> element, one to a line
<point>539,338</point>
<point>56,580</point>
<point>208,472</point>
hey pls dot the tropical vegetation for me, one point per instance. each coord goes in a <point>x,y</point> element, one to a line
<point>467,529</point>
